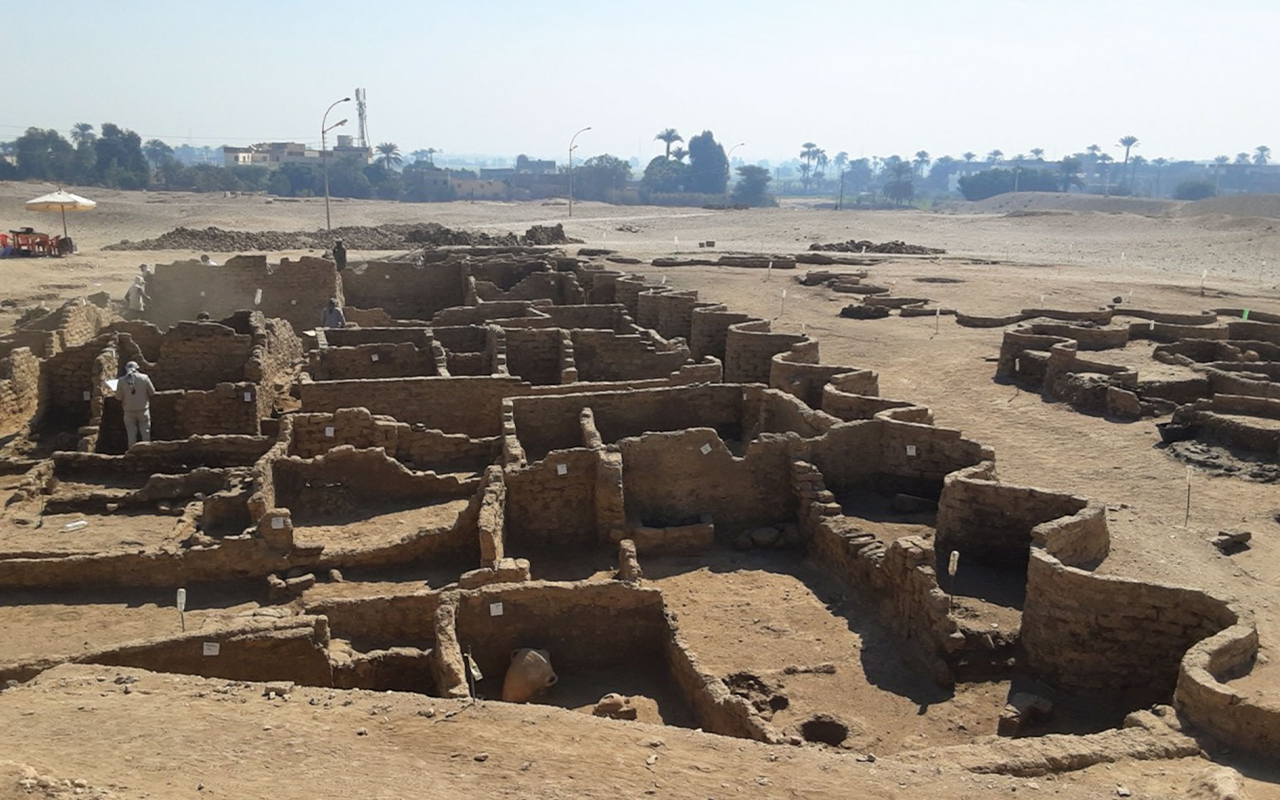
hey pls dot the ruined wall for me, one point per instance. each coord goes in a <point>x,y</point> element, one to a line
<point>19,390</point>
<point>466,349</point>
<point>1105,635</point>
<point>1248,722</point>
<point>470,405</point>
<point>315,434</point>
<point>346,478</point>
<point>611,317</point>
<point>402,289</point>
<point>991,522</point>
<point>69,386</point>
<point>675,478</point>
<point>915,457</point>
<point>549,423</point>
<point>72,324</point>
<point>228,408</point>
<point>780,412</point>
<point>200,355</point>
<point>584,626</point>
<point>292,290</point>
<point>484,312</point>
<point>750,348</point>
<point>552,502</point>
<point>602,355</point>
<point>383,360</point>
<point>709,329</point>
<point>534,354</point>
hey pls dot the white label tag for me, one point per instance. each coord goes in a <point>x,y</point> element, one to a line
<point>277,523</point>
<point>212,648</point>
<point>257,298</point>
<point>328,431</point>
<point>706,448</point>
<point>202,292</point>
<point>911,449</point>
<point>562,469</point>
<point>374,357</point>
<point>248,397</point>
<point>86,395</point>
<point>495,609</point>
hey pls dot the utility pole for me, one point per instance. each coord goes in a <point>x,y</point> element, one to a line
<point>571,147</point>
<point>324,157</point>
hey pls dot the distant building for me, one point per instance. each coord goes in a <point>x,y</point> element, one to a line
<point>534,166</point>
<point>272,154</point>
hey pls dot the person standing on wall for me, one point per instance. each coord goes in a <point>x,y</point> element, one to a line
<point>332,316</point>
<point>340,255</point>
<point>134,391</point>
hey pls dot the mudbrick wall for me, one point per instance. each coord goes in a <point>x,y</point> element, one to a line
<point>470,405</point>
<point>588,626</point>
<point>1204,696</point>
<point>603,355</point>
<point>552,502</point>
<point>19,390</point>
<point>381,360</point>
<point>549,423</point>
<point>200,355</point>
<point>991,522</point>
<point>1106,635</point>
<point>292,290</point>
<point>422,449</point>
<point>679,477</point>
<point>402,289</point>
<point>709,329</point>
<point>534,354</point>
<point>750,348</point>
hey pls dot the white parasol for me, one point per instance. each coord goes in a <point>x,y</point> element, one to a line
<point>61,201</point>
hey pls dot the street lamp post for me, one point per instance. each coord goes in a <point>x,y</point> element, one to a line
<point>571,146</point>
<point>728,169</point>
<point>324,156</point>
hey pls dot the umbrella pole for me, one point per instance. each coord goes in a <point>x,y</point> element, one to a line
<point>64,222</point>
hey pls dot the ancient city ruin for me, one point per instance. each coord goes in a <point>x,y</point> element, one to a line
<point>532,447</point>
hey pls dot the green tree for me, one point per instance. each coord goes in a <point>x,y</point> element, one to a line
<point>1128,143</point>
<point>1194,189</point>
<point>678,154</point>
<point>663,176</point>
<point>991,182</point>
<point>120,162</point>
<point>82,132</point>
<point>388,156</point>
<point>156,151</point>
<point>1243,159</point>
<point>1159,164</point>
<point>994,156</point>
<point>968,156</point>
<point>752,188</point>
<point>601,178</point>
<point>808,154</point>
<point>1261,155</point>
<point>668,136</point>
<point>900,188</point>
<point>1037,153</point>
<point>44,155</point>
<point>1069,173</point>
<point>921,161</point>
<point>708,167</point>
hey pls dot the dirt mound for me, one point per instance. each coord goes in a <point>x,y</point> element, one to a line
<point>1238,205</point>
<point>866,246</point>
<point>358,237</point>
<point>1056,201</point>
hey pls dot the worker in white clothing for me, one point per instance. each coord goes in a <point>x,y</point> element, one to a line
<point>134,391</point>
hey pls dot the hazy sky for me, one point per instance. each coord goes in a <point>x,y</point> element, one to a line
<point>1189,79</point>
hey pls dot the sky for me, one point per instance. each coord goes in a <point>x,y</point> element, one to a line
<point>504,77</point>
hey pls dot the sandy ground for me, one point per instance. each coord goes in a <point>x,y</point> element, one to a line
<point>1077,254</point>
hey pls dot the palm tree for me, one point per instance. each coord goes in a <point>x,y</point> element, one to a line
<point>900,188</point>
<point>1135,166</point>
<point>1105,160</point>
<point>1243,158</point>
<point>388,156</point>
<point>1069,170</point>
<point>840,161</point>
<point>1262,155</point>
<point>82,132</point>
<point>820,162</point>
<point>968,156</point>
<point>678,153</point>
<point>156,151</point>
<point>1160,164</point>
<point>1127,142</point>
<point>1037,153</point>
<point>994,156</point>
<point>808,154</point>
<point>1218,163</point>
<point>668,136</point>
<point>921,161</point>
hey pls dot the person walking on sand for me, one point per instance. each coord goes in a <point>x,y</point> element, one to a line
<point>332,316</point>
<point>134,391</point>
<point>340,255</point>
